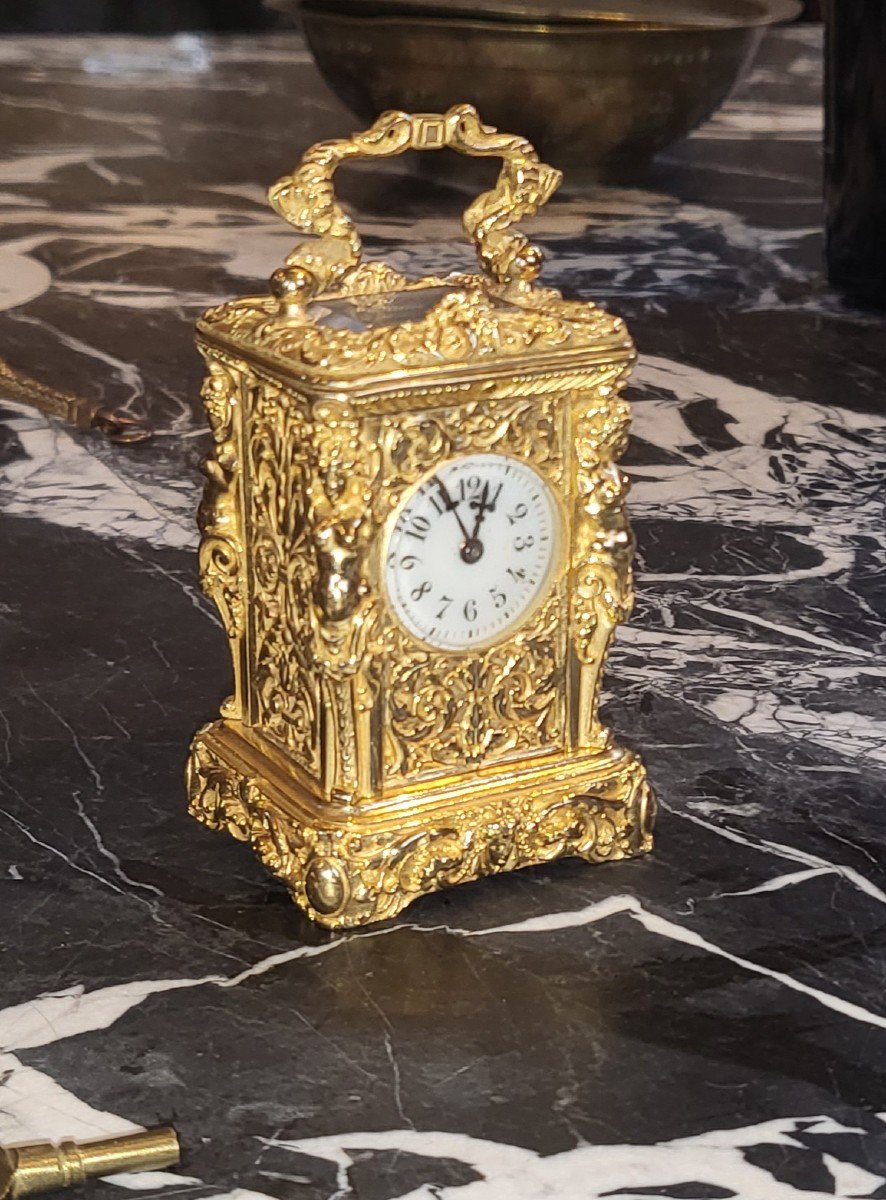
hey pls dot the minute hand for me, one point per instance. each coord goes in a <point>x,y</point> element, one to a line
<point>452,505</point>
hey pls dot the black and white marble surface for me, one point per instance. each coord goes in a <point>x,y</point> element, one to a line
<point>707,1023</point>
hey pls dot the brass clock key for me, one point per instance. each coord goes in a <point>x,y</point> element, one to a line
<point>414,529</point>
<point>46,1167</point>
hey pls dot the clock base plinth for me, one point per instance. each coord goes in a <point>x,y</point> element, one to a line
<point>352,868</point>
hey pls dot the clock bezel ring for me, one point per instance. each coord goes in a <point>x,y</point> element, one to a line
<point>557,567</point>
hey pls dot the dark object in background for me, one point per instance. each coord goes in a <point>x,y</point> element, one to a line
<point>855,148</point>
<point>135,16</point>
<point>597,88</point>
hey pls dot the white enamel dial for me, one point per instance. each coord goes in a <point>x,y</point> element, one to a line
<point>471,550</point>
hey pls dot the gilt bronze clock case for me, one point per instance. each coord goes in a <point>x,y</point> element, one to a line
<point>366,758</point>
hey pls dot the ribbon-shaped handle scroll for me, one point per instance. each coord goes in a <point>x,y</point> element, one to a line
<point>307,200</point>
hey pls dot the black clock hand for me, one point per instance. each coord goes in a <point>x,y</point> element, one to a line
<point>472,550</point>
<point>480,506</point>
<point>451,505</point>
<point>483,506</point>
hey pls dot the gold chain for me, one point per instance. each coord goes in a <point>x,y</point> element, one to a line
<point>116,425</point>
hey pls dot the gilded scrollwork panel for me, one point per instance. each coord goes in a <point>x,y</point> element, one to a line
<point>309,502</point>
<point>443,712</point>
<point>603,544</point>
<point>283,695</point>
<point>221,561</point>
<point>343,614</point>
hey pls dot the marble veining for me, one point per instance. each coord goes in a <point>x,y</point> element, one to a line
<point>707,1023</point>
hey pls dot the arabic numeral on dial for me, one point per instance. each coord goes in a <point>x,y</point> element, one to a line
<point>468,487</point>
<point>518,514</point>
<point>421,590</point>
<point>516,573</point>
<point>470,610</point>
<point>418,527</point>
<point>445,601</point>
<point>524,543</point>
<point>499,598</point>
<point>408,562</point>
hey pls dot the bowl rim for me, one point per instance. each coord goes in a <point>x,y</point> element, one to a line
<point>634,16</point>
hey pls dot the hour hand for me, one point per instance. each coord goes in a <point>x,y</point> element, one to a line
<point>482,507</point>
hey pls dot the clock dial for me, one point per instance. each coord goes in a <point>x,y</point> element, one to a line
<point>471,550</point>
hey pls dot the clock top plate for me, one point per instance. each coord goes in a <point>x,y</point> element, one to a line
<point>377,327</point>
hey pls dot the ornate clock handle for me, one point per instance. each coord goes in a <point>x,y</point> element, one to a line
<point>307,200</point>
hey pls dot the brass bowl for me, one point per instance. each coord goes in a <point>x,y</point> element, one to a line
<point>598,92</point>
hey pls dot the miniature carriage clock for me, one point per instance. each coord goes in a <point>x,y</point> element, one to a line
<point>413,528</point>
